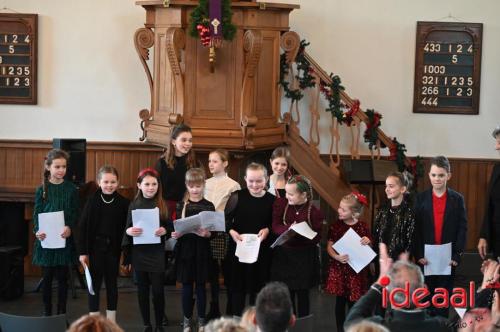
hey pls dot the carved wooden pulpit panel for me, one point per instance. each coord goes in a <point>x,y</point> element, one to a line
<point>235,103</point>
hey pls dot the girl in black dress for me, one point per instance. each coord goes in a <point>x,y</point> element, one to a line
<point>148,260</point>
<point>101,229</point>
<point>192,251</point>
<point>249,211</point>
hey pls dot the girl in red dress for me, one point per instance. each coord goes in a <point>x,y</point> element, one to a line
<point>343,281</point>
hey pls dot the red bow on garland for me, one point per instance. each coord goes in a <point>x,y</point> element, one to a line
<point>352,112</point>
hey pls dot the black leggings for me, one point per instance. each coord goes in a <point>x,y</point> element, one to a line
<point>156,280</point>
<point>187,299</point>
<point>301,305</point>
<point>340,311</point>
<point>104,266</point>
<point>238,301</point>
<point>61,274</point>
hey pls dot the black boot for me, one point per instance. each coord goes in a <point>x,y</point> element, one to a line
<point>214,311</point>
<point>159,329</point>
<point>148,328</point>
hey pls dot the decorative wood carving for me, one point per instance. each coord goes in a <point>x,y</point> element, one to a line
<point>314,138</point>
<point>176,41</point>
<point>290,42</point>
<point>143,41</point>
<point>252,45</point>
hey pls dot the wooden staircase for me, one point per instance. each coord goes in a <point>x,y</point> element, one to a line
<point>325,175</point>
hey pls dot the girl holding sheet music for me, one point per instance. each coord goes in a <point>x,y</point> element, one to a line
<point>192,251</point>
<point>148,260</point>
<point>343,281</point>
<point>296,262</point>
<point>55,195</point>
<point>101,229</point>
<point>249,211</point>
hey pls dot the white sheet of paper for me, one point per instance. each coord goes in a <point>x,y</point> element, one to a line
<point>285,236</point>
<point>187,225</point>
<point>359,255</point>
<point>210,220</point>
<point>88,278</point>
<point>149,221</point>
<point>303,229</point>
<point>213,221</point>
<point>247,250</point>
<point>438,258</point>
<point>52,224</point>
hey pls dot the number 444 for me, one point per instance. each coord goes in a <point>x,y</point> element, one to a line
<point>429,101</point>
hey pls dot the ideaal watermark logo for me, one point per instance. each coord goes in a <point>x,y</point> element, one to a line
<point>400,298</point>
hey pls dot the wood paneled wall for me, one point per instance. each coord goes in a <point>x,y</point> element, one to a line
<point>21,163</point>
<point>21,172</point>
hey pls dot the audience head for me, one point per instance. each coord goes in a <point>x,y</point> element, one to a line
<point>224,324</point>
<point>248,319</point>
<point>367,326</point>
<point>94,323</point>
<point>401,272</point>
<point>273,308</point>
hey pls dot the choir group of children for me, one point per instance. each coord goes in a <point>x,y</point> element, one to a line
<point>267,206</point>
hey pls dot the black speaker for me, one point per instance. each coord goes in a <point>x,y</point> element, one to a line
<point>367,171</point>
<point>13,227</point>
<point>77,149</point>
<point>11,272</point>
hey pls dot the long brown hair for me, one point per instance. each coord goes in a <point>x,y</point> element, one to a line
<point>160,202</point>
<point>170,154</point>
<point>49,159</point>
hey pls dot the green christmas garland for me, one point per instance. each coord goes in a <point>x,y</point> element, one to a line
<point>304,77</point>
<point>200,16</point>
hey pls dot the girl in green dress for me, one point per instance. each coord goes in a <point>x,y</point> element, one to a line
<point>54,195</point>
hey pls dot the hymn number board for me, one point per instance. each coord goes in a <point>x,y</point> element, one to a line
<point>18,58</point>
<point>447,68</point>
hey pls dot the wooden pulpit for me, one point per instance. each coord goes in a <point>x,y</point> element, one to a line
<point>235,104</point>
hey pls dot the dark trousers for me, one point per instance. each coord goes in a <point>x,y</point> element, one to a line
<point>104,265</point>
<point>238,301</point>
<point>61,275</point>
<point>215,270</point>
<point>155,280</point>
<point>341,304</point>
<point>187,299</point>
<point>300,302</point>
<point>434,282</point>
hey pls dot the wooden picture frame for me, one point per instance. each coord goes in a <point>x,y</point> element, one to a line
<point>447,68</point>
<point>18,58</point>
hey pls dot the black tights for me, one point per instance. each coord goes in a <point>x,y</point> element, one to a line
<point>340,311</point>
<point>144,280</point>
<point>104,266</point>
<point>301,305</point>
<point>238,301</point>
<point>187,299</point>
<point>61,274</point>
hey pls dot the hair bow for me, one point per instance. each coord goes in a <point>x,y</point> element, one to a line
<point>361,198</point>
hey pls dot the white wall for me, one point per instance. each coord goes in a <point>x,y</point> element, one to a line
<point>371,46</point>
<point>91,83</point>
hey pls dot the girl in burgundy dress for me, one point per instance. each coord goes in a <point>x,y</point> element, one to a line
<point>343,281</point>
<point>296,262</point>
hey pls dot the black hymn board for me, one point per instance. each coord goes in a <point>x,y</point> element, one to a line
<point>447,67</point>
<point>18,58</point>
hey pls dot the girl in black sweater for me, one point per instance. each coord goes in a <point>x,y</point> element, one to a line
<point>148,260</point>
<point>99,238</point>
<point>192,251</point>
